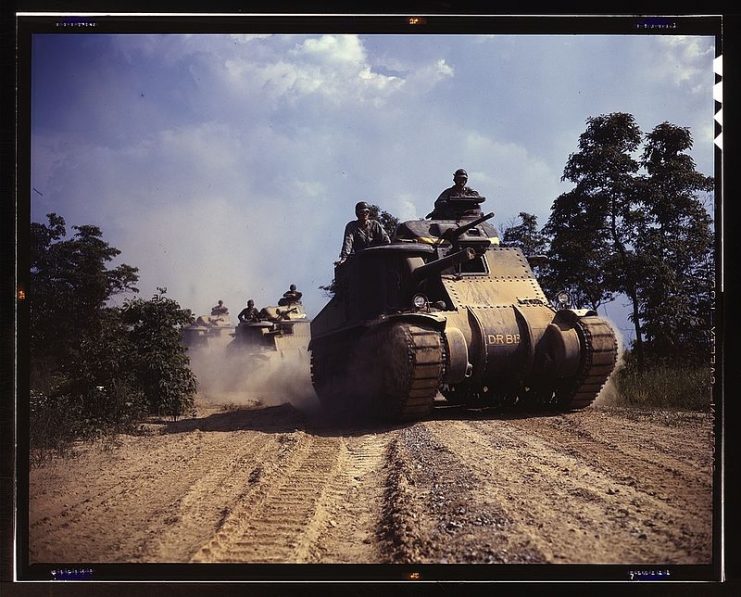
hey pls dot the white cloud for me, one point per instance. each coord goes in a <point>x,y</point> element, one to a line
<point>333,67</point>
<point>685,60</point>
<point>334,49</point>
<point>510,176</point>
<point>245,38</point>
<point>427,76</point>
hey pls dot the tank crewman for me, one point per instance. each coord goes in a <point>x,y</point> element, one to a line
<point>362,233</point>
<point>443,208</point>
<point>219,309</point>
<point>249,313</point>
<point>290,297</point>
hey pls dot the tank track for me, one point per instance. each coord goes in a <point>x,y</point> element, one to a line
<point>393,371</point>
<point>328,369</point>
<point>598,360</point>
<point>412,371</point>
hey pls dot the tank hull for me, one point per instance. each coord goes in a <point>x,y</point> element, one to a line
<point>464,317</point>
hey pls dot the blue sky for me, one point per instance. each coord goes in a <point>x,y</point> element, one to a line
<point>226,166</point>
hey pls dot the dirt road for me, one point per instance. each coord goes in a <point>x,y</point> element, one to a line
<point>271,484</point>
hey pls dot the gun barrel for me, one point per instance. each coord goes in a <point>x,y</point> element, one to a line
<point>453,233</point>
<point>434,267</point>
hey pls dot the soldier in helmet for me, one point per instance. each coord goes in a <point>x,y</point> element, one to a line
<point>362,233</point>
<point>219,309</point>
<point>249,313</point>
<point>444,209</point>
<point>290,297</point>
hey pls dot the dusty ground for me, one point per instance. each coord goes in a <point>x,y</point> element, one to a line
<point>271,484</point>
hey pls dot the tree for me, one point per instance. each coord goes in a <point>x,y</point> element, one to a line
<point>677,245</point>
<point>577,253</point>
<point>525,235</point>
<point>70,284</point>
<point>388,221</point>
<point>95,367</point>
<point>594,227</point>
<point>645,236</point>
<point>160,365</point>
<point>81,382</point>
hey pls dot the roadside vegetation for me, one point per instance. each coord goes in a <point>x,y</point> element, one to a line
<point>97,370</point>
<point>635,226</point>
<point>688,388</point>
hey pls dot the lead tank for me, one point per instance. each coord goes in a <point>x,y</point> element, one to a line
<point>445,308</point>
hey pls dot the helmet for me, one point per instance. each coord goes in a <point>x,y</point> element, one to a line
<point>250,303</point>
<point>361,206</point>
<point>460,172</point>
<point>293,287</point>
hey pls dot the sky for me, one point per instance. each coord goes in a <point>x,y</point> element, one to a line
<point>225,166</point>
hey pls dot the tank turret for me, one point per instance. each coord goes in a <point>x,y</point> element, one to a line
<point>446,309</point>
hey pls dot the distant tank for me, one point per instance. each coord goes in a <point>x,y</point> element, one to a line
<point>277,329</point>
<point>445,308</point>
<point>207,331</point>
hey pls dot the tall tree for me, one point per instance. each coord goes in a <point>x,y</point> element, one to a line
<point>577,251</point>
<point>677,248</point>
<point>601,216</point>
<point>645,236</point>
<point>70,283</point>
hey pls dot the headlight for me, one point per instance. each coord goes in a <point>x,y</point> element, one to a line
<point>420,301</point>
<point>563,299</point>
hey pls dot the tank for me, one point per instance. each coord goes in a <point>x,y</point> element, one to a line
<point>278,329</point>
<point>208,330</point>
<point>446,310</point>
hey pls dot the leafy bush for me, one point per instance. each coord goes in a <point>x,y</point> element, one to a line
<point>160,363</point>
<point>52,425</point>
<point>97,370</point>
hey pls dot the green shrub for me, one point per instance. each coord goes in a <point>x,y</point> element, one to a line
<point>662,386</point>
<point>52,427</point>
<point>160,364</point>
<point>59,419</point>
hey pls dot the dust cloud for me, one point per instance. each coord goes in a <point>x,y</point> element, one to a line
<point>239,377</point>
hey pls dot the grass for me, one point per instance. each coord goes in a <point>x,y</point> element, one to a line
<point>682,388</point>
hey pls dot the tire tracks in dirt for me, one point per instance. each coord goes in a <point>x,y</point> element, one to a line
<point>321,504</point>
<point>194,516</point>
<point>137,498</point>
<point>277,523</point>
<point>352,505</point>
<point>270,485</point>
<point>656,485</point>
<point>572,495</point>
